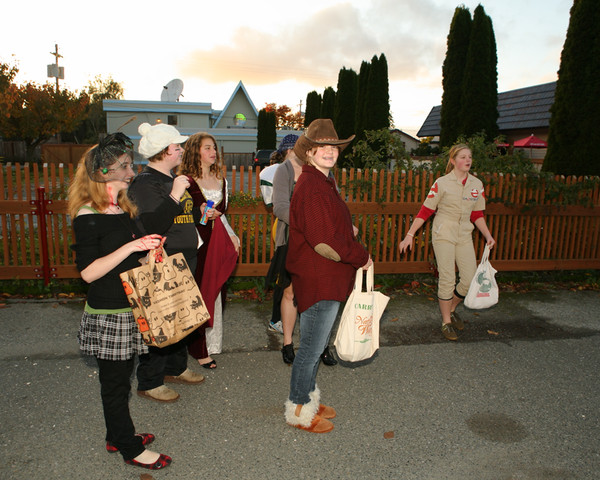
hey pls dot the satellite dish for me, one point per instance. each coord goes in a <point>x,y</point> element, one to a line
<point>172,91</point>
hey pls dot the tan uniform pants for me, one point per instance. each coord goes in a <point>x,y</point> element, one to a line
<point>447,255</point>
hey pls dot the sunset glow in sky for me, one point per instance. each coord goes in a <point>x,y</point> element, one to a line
<point>279,52</point>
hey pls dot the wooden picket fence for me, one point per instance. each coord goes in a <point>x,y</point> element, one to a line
<point>532,230</point>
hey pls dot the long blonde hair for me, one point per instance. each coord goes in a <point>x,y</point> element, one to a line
<point>190,162</point>
<point>454,151</point>
<point>84,191</point>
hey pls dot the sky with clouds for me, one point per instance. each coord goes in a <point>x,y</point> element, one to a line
<point>280,50</point>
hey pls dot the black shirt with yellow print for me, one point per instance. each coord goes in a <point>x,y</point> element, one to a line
<point>159,213</point>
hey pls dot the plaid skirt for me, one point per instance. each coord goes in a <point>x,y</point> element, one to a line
<point>112,336</point>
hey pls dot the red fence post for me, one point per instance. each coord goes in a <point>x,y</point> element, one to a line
<point>40,203</point>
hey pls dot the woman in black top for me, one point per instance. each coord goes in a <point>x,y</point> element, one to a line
<point>107,243</point>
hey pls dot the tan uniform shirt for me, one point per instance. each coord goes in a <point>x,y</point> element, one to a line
<point>454,203</point>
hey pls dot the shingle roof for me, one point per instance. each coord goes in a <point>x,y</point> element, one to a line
<point>524,108</point>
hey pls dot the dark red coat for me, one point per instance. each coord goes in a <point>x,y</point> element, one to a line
<point>321,222</point>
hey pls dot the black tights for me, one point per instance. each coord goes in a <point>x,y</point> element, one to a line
<point>115,385</point>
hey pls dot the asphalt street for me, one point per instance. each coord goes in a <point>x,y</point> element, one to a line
<point>516,397</point>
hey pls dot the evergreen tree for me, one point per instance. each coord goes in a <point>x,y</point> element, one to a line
<point>574,133</point>
<point>479,100</point>
<point>345,102</point>
<point>313,107</point>
<point>361,99</point>
<point>328,105</point>
<point>377,111</point>
<point>371,95</point>
<point>452,75</point>
<point>384,118</point>
<point>266,137</point>
<point>492,84</point>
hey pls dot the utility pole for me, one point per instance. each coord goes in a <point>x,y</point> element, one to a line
<point>54,70</point>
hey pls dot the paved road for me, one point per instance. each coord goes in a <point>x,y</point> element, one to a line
<point>515,398</point>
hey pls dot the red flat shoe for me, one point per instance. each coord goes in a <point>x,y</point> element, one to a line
<point>147,438</point>
<point>162,462</point>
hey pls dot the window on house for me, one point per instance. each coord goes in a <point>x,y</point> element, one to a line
<point>172,120</point>
<point>239,120</point>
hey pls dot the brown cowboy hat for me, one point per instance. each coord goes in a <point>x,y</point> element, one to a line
<point>320,132</point>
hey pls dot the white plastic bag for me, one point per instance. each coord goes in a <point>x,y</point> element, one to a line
<point>357,337</point>
<point>483,291</point>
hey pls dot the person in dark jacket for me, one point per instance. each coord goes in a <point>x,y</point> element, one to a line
<point>108,242</point>
<point>322,259</point>
<point>165,208</point>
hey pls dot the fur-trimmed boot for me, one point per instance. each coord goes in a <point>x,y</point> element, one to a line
<point>323,411</point>
<point>305,417</point>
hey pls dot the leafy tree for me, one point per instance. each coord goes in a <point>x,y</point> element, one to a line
<point>296,121</point>
<point>380,149</point>
<point>94,124</point>
<point>34,113</point>
<point>267,134</point>
<point>313,107</point>
<point>452,74</point>
<point>328,105</point>
<point>361,99</point>
<point>285,118</point>
<point>479,100</point>
<point>7,75</point>
<point>425,149</point>
<point>8,94</point>
<point>574,133</point>
<point>487,158</point>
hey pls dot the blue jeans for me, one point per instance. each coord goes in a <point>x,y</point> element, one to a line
<point>315,328</point>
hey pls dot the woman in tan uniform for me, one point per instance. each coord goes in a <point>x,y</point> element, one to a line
<point>458,201</point>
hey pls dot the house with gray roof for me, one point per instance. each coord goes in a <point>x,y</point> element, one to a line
<point>522,112</point>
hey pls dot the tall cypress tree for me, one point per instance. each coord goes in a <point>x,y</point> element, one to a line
<point>262,125</point>
<point>266,136</point>
<point>361,99</point>
<point>345,102</point>
<point>328,105</point>
<point>452,74</point>
<point>377,112</point>
<point>313,107</point>
<point>492,84</point>
<point>574,133</point>
<point>383,94</point>
<point>371,112</point>
<point>479,100</point>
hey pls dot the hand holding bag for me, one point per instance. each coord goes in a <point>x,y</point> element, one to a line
<point>165,299</point>
<point>357,337</point>
<point>483,291</point>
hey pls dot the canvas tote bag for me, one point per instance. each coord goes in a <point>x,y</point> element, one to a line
<point>165,299</point>
<point>357,337</point>
<point>483,291</point>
